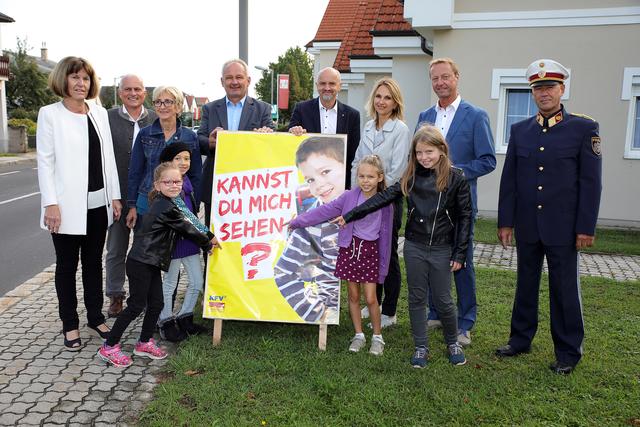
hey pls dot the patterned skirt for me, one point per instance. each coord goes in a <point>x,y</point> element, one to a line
<point>359,262</point>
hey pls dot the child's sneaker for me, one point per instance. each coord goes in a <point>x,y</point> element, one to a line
<point>364,313</point>
<point>357,342</point>
<point>149,349</point>
<point>456,355</point>
<point>419,358</point>
<point>386,321</point>
<point>114,356</point>
<point>377,346</point>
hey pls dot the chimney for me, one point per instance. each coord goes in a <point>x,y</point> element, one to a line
<point>44,52</point>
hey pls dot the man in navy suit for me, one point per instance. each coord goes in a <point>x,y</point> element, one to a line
<point>550,193</point>
<point>468,133</point>
<point>236,111</point>
<point>325,114</point>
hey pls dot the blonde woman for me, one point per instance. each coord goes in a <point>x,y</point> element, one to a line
<point>388,137</point>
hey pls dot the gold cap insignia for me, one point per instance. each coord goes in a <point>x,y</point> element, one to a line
<point>596,145</point>
<point>542,73</point>
<point>541,64</point>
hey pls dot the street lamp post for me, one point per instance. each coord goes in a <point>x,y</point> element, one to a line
<point>115,90</point>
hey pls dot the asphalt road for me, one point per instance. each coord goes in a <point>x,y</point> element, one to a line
<point>25,249</point>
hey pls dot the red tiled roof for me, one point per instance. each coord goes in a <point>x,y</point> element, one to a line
<point>337,19</point>
<point>352,21</point>
<point>189,99</point>
<point>201,100</point>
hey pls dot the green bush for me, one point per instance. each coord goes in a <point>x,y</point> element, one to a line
<point>21,113</point>
<point>30,124</point>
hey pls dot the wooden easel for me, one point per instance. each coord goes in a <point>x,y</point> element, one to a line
<point>217,334</point>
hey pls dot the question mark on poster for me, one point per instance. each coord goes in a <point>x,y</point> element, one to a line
<point>261,252</point>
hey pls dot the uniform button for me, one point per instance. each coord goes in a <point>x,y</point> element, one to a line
<point>541,148</point>
<point>539,187</point>
<point>539,207</point>
<point>544,130</point>
<point>540,168</point>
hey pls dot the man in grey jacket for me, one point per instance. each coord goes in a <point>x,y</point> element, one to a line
<point>125,121</point>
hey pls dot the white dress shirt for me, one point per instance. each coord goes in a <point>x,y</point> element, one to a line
<point>328,118</point>
<point>444,116</point>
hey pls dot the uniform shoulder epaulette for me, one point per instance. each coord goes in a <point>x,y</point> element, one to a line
<point>584,116</point>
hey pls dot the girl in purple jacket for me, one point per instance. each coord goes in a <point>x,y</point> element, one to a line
<point>365,247</point>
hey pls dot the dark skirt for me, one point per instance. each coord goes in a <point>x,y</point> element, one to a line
<point>360,262</point>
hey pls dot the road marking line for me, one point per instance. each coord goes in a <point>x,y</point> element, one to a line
<point>18,198</point>
<point>9,173</point>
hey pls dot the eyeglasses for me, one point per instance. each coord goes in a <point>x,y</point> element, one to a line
<point>165,102</point>
<point>170,182</point>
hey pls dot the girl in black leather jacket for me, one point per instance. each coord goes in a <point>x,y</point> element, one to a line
<point>153,243</point>
<point>436,235</point>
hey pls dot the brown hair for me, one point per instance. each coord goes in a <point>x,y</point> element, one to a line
<point>428,135</point>
<point>157,174</point>
<point>451,62</point>
<point>396,96</point>
<point>69,65</point>
<point>375,161</point>
<point>329,146</point>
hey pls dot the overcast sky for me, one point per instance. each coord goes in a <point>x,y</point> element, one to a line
<point>182,43</point>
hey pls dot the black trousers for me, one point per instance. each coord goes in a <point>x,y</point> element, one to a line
<point>89,248</point>
<point>391,286</point>
<point>567,327</point>
<point>145,291</point>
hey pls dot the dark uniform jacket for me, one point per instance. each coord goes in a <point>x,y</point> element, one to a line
<point>551,180</point>
<point>433,218</point>
<point>156,238</point>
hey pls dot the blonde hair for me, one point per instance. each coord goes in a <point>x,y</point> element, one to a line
<point>157,174</point>
<point>396,95</point>
<point>69,65</point>
<point>428,135</point>
<point>451,62</point>
<point>375,161</point>
<point>173,91</point>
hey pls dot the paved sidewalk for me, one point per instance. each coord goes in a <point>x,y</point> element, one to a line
<point>15,158</point>
<point>42,384</point>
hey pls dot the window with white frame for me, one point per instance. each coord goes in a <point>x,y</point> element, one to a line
<point>515,102</point>
<point>631,93</point>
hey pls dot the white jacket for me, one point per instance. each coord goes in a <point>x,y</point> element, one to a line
<point>63,163</point>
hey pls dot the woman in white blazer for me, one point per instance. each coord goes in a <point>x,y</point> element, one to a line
<point>387,136</point>
<point>79,190</point>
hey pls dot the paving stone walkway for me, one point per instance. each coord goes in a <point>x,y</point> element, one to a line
<point>42,384</point>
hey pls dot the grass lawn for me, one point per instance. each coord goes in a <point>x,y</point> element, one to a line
<point>272,374</point>
<point>608,240</point>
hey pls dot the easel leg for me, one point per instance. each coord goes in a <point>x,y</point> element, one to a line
<point>322,337</point>
<point>217,332</point>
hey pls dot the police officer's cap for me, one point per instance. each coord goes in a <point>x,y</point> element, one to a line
<point>546,72</point>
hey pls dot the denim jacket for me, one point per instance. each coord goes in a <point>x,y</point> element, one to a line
<point>145,158</point>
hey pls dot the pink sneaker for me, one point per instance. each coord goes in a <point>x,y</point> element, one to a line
<point>114,356</point>
<point>149,349</point>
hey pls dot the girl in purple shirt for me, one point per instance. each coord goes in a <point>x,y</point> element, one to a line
<point>365,247</point>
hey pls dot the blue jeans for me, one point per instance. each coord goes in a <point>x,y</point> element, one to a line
<point>170,282</point>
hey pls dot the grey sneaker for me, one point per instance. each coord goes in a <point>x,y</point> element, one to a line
<point>377,347</point>
<point>364,313</point>
<point>456,355</point>
<point>419,358</point>
<point>386,321</point>
<point>357,343</point>
<point>464,337</point>
<point>434,324</point>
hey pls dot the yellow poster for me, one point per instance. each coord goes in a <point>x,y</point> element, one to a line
<point>264,272</point>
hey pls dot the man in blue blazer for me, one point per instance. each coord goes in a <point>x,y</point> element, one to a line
<point>325,114</point>
<point>468,133</point>
<point>236,111</point>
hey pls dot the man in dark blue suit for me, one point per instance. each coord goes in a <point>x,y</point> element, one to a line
<point>468,133</point>
<point>550,193</point>
<point>325,114</point>
<point>236,111</point>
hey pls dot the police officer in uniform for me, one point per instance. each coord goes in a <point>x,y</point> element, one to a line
<point>550,193</point>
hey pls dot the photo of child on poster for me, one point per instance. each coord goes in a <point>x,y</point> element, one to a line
<point>304,273</point>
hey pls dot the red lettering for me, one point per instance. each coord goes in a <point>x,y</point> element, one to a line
<point>225,232</point>
<point>255,202</point>
<point>221,186</point>
<point>233,206</point>
<point>251,229</point>
<point>248,181</point>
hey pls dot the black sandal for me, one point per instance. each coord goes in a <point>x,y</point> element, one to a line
<point>72,345</point>
<point>98,332</point>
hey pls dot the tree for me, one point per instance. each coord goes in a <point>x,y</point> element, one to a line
<point>27,88</point>
<point>298,65</point>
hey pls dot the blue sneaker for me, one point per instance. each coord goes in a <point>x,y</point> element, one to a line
<point>456,355</point>
<point>419,358</point>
